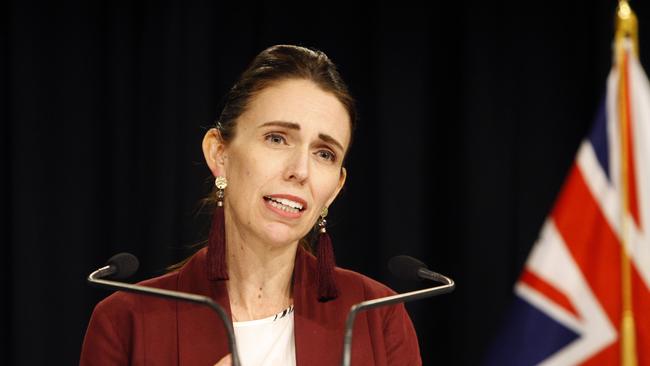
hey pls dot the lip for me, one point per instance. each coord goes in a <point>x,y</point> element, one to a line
<point>290,197</point>
<point>286,214</point>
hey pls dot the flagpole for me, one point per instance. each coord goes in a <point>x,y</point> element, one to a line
<point>626,31</point>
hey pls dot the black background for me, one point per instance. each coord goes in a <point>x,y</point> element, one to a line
<point>471,113</point>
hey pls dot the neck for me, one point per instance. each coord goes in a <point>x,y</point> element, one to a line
<point>260,276</point>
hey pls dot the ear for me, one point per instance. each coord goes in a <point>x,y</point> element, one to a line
<point>214,151</point>
<point>342,177</point>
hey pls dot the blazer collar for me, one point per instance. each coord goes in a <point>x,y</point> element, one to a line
<point>202,338</point>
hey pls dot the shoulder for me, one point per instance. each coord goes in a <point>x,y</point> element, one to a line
<point>390,325</point>
<point>117,321</point>
<point>353,286</point>
<point>356,287</point>
<point>121,301</point>
<point>349,280</point>
<point>168,281</point>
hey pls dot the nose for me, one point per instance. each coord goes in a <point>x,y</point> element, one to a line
<point>297,168</point>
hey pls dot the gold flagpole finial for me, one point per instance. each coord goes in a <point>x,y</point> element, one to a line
<point>627,25</point>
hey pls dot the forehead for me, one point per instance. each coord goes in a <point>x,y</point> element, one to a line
<point>302,102</point>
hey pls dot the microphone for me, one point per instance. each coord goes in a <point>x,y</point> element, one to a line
<point>123,265</point>
<point>119,267</point>
<point>403,267</point>
<point>409,268</point>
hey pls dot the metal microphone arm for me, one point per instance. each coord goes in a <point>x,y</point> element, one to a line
<point>95,279</point>
<point>399,298</point>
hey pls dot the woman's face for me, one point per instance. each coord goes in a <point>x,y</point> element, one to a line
<point>284,164</point>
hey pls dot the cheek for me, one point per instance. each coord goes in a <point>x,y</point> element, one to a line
<point>327,187</point>
<point>240,166</point>
<point>249,175</point>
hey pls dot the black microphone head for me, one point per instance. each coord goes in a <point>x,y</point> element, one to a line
<point>405,267</point>
<point>126,264</point>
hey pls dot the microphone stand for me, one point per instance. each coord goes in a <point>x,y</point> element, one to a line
<point>96,280</point>
<point>399,298</point>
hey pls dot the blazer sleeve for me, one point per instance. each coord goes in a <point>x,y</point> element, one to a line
<point>105,342</point>
<point>402,346</point>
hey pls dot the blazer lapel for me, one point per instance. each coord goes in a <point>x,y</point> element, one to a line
<point>202,337</point>
<point>317,331</point>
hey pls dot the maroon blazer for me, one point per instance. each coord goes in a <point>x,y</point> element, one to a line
<point>130,329</point>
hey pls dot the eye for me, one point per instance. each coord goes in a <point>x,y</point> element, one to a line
<point>275,138</point>
<point>326,155</point>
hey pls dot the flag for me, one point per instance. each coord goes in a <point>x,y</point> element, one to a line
<point>583,297</point>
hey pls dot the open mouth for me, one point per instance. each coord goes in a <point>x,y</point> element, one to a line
<point>284,204</point>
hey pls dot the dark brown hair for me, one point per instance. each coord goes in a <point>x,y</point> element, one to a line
<point>275,64</point>
<point>271,66</point>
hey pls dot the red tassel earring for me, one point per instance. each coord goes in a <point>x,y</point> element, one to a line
<point>327,289</point>
<point>217,269</point>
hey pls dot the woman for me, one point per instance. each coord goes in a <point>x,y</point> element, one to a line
<point>276,155</point>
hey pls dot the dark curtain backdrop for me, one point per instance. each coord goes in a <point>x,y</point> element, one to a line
<point>471,113</point>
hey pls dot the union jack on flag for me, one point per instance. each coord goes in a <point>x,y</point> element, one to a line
<point>591,263</point>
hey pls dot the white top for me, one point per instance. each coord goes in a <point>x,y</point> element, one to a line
<point>268,341</point>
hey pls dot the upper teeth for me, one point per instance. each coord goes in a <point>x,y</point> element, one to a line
<point>287,202</point>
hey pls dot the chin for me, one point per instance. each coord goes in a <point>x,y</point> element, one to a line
<point>281,236</point>
<point>278,241</point>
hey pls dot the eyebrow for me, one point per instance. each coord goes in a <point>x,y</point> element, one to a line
<point>331,140</point>
<point>289,125</point>
<point>294,126</point>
